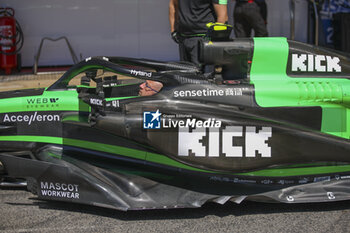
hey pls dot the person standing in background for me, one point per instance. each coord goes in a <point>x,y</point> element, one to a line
<point>188,19</point>
<point>250,15</point>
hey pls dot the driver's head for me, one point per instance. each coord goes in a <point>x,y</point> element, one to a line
<point>149,88</point>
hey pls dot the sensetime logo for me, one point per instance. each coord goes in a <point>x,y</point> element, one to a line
<point>153,120</point>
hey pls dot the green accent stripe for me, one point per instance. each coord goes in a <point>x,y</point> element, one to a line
<point>136,154</point>
<point>222,1</point>
<point>121,98</point>
<point>192,35</point>
<point>299,171</point>
<point>132,153</point>
<point>88,67</point>
<point>164,160</point>
<point>157,158</point>
<point>43,139</point>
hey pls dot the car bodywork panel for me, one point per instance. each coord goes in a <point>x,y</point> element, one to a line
<point>272,125</point>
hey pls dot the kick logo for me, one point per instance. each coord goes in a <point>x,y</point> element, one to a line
<point>151,120</point>
<point>315,63</point>
<point>232,141</point>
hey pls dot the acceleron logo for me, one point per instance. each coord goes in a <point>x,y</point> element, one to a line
<point>151,120</point>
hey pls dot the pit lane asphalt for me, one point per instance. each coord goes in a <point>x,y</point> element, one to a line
<point>20,211</point>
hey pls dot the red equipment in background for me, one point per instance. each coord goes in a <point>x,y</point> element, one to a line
<point>10,36</point>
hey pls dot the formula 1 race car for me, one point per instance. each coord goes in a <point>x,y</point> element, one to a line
<point>270,123</point>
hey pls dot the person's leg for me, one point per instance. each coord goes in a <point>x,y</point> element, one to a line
<point>256,20</point>
<point>241,25</point>
<point>182,51</point>
<point>263,9</point>
<point>193,48</point>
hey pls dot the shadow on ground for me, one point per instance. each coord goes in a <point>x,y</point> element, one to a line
<point>228,209</point>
